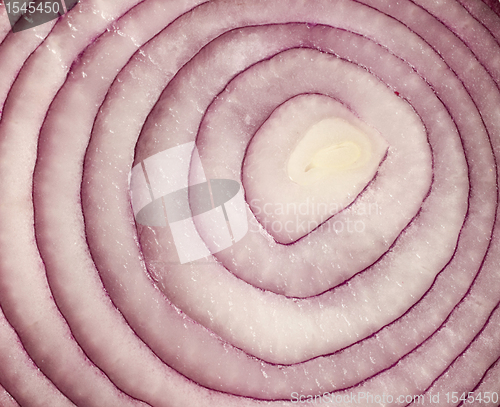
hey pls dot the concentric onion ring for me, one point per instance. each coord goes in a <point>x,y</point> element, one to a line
<point>97,310</point>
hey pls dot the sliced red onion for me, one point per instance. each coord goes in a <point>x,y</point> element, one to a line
<point>116,349</point>
<point>27,384</point>
<point>98,309</point>
<point>6,399</point>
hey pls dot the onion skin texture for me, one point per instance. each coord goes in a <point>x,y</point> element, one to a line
<point>96,309</point>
